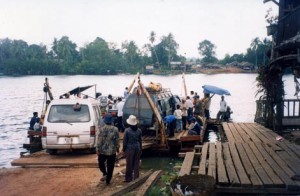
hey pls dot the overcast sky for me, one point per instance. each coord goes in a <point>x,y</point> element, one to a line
<point>229,24</point>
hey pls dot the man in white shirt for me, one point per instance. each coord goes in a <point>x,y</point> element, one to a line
<point>190,105</point>
<point>120,124</point>
<point>223,107</point>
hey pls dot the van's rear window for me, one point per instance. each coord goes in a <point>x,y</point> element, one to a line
<point>137,102</point>
<point>67,113</point>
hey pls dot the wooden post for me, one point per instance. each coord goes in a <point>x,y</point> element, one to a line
<point>184,85</point>
<point>156,113</point>
<point>132,83</point>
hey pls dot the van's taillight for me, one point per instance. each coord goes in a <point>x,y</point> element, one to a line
<point>44,132</point>
<point>92,130</point>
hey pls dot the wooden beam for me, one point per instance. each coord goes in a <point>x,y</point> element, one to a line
<point>194,168</point>
<point>182,154</point>
<point>212,161</point>
<point>240,170</point>
<point>250,170</point>
<point>156,113</point>
<point>232,175</point>
<point>149,182</point>
<point>222,177</point>
<point>132,185</point>
<point>184,85</point>
<point>132,83</point>
<point>187,164</point>
<point>257,166</point>
<point>202,164</point>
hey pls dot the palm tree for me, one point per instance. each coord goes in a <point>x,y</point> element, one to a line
<point>152,40</point>
<point>254,45</point>
<point>171,47</point>
<point>266,43</point>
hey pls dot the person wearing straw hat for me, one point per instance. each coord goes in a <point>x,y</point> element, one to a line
<point>132,148</point>
<point>107,147</point>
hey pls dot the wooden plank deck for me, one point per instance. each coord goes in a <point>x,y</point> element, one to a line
<point>252,160</point>
<point>65,158</point>
<point>185,141</point>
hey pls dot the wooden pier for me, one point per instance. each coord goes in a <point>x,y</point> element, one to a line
<point>254,159</point>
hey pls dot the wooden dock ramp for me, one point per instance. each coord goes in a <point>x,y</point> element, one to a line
<point>252,160</point>
<point>66,158</point>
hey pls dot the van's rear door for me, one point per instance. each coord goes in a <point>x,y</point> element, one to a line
<point>69,125</point>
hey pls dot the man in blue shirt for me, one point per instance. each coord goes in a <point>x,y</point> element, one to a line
<point>170,120</point>
<point>196,129</point>
<point>33,120</point>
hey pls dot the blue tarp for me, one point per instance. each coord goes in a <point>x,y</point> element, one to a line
<point>215,90</point>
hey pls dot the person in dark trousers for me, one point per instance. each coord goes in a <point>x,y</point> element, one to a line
<point>222,111</point>
<point>33,120</point>
<point>107,147</point>
<point>196,128</point>
<point>227,116</point>
<point>206,105</point>
<point>170,120</point>
<point>184,108</point>
<point>120,106</point>
<point>132,148</point>
<point>190,105</point>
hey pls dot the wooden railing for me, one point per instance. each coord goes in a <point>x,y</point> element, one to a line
<point>261,114</point>
<point>291,112</point>
<point>291,108</point>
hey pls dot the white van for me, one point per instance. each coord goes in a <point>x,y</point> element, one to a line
<point>71,124</point>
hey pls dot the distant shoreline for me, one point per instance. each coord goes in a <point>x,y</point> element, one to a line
<point>226,70</point>
<point>172,72</point>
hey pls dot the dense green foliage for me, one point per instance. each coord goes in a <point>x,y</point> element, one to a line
<point>257,53</point>
<point>207,50</point>
<point>17,57</point>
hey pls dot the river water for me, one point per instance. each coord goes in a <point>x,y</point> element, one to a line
<point>21,96</point>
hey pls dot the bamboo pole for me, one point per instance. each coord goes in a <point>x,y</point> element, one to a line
<point>184,85</point>
<point>132,83</point>
<point>156,113</point>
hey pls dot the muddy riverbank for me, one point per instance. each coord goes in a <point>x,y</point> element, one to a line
<point>57,181</point>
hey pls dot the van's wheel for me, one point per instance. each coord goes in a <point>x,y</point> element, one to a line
<point>52,151</point>
<point>93,150</point>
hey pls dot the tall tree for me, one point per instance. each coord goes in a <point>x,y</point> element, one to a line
<point>131,52</point>
<point>172,47</point>
<point>167,49</point>
<point>65,52</point>
<point>254,45</point>
<point>152,39</point>
<point>207,51</point>
<point>98,58</point>
<point>266,45</point>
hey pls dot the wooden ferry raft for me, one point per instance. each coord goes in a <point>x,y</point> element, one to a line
<point>64,158</point>
<point>252,160</point>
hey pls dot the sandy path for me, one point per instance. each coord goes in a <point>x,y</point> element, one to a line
<point>56,181</point>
